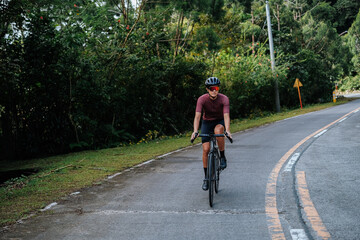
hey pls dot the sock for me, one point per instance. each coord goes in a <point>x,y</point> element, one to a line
<point>205,171</point>
<point>222,153</point>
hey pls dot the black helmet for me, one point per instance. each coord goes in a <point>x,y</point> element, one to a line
<point>212,81</point>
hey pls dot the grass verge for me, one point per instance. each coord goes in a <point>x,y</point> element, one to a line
<point>61,175</point>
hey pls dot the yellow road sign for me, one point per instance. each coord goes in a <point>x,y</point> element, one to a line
<point>297,83</point>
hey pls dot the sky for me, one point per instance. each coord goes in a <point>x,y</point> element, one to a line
<point>134,2</point>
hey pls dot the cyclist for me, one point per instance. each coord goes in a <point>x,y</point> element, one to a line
<point>216,118</point>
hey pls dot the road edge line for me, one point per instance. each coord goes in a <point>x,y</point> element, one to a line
<point>310,214</point>
<point>272,213</point>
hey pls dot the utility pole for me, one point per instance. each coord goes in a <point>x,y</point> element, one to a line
<point>271,43</point>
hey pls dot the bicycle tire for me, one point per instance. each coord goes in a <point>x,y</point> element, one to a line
<point>211,176</point>
<point>217,174</point>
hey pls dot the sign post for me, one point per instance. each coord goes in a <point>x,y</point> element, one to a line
<point>297,85</point>
<point>335,93</point>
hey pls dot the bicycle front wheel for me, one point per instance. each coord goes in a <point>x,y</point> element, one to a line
<point>217,174</point>
<point>211,177</point>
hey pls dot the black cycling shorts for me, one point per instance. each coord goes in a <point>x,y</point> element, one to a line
<point>208,126</point>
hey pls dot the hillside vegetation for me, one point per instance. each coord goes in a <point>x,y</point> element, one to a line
<point>90,74</point>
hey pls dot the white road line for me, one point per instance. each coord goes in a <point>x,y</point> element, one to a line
<point>149,161</point>
<point>200,212</point>
<point>179,150</point>
<point>342,119</point>
<point>144,163</point>
<point>291,162</point>
<point>74,193</point>
<point>114,175</point>
<point>298,234</point>
<point>320,133</point>
<point>357,111</point>
<point>289,118</point>
<point>295,117</point>
<point>49,206</point>
<point>167,154</point>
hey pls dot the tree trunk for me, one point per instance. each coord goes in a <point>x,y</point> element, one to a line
<point>278,20</point>
<point>178,34</point>
<point>252,36</point>
<point>70,109</point>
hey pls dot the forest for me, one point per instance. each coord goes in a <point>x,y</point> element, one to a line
<point>91,74</point>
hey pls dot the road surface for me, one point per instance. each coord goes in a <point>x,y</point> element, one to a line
<point>293,179</point>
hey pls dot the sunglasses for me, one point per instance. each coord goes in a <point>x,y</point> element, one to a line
<point>212,88</point>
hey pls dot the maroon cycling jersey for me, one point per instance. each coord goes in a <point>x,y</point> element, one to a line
<point>213,109</point>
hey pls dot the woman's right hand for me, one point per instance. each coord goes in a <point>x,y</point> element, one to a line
<point>193,136</point>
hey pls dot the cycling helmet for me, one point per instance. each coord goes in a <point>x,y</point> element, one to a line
<point>212,81</point>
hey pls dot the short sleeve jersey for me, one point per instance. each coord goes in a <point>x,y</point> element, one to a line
<point>213,109</point>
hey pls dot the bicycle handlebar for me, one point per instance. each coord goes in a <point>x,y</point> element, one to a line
<point>212,135</point>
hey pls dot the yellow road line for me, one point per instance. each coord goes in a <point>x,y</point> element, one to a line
<point>310,211</point>
<point>272,214</point>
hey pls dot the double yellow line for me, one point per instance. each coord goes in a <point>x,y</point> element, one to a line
<point>272,213</point>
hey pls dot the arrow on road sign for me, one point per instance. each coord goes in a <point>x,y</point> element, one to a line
<point>297,83</point>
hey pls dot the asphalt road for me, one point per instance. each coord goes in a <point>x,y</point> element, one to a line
<point>262,195</point>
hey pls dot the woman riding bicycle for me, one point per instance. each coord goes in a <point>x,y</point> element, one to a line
<point>216,119</point>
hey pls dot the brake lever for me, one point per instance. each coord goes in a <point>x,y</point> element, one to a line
<point>230,139</point>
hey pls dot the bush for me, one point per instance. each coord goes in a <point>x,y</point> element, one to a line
<point>350,84</point>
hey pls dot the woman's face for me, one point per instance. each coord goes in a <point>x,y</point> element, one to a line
<point>213,91</point>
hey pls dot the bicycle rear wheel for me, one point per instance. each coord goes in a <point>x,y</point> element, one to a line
<point>211,176</point>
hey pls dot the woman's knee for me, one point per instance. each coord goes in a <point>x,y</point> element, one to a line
<point>206,147</point>
<point>219,129</point>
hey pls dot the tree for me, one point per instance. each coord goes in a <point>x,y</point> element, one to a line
<point>94,74</point>
<point>323,11</point>
<point>353,41</point>
<point>346,11</point>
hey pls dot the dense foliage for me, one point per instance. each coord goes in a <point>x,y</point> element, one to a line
<point>92,74</point>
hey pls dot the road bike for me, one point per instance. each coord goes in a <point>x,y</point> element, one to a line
<point>213,164</point>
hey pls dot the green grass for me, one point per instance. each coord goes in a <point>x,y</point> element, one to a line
<point>60,175</point>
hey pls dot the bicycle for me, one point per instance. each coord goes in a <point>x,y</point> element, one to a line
<point>213,164</point>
